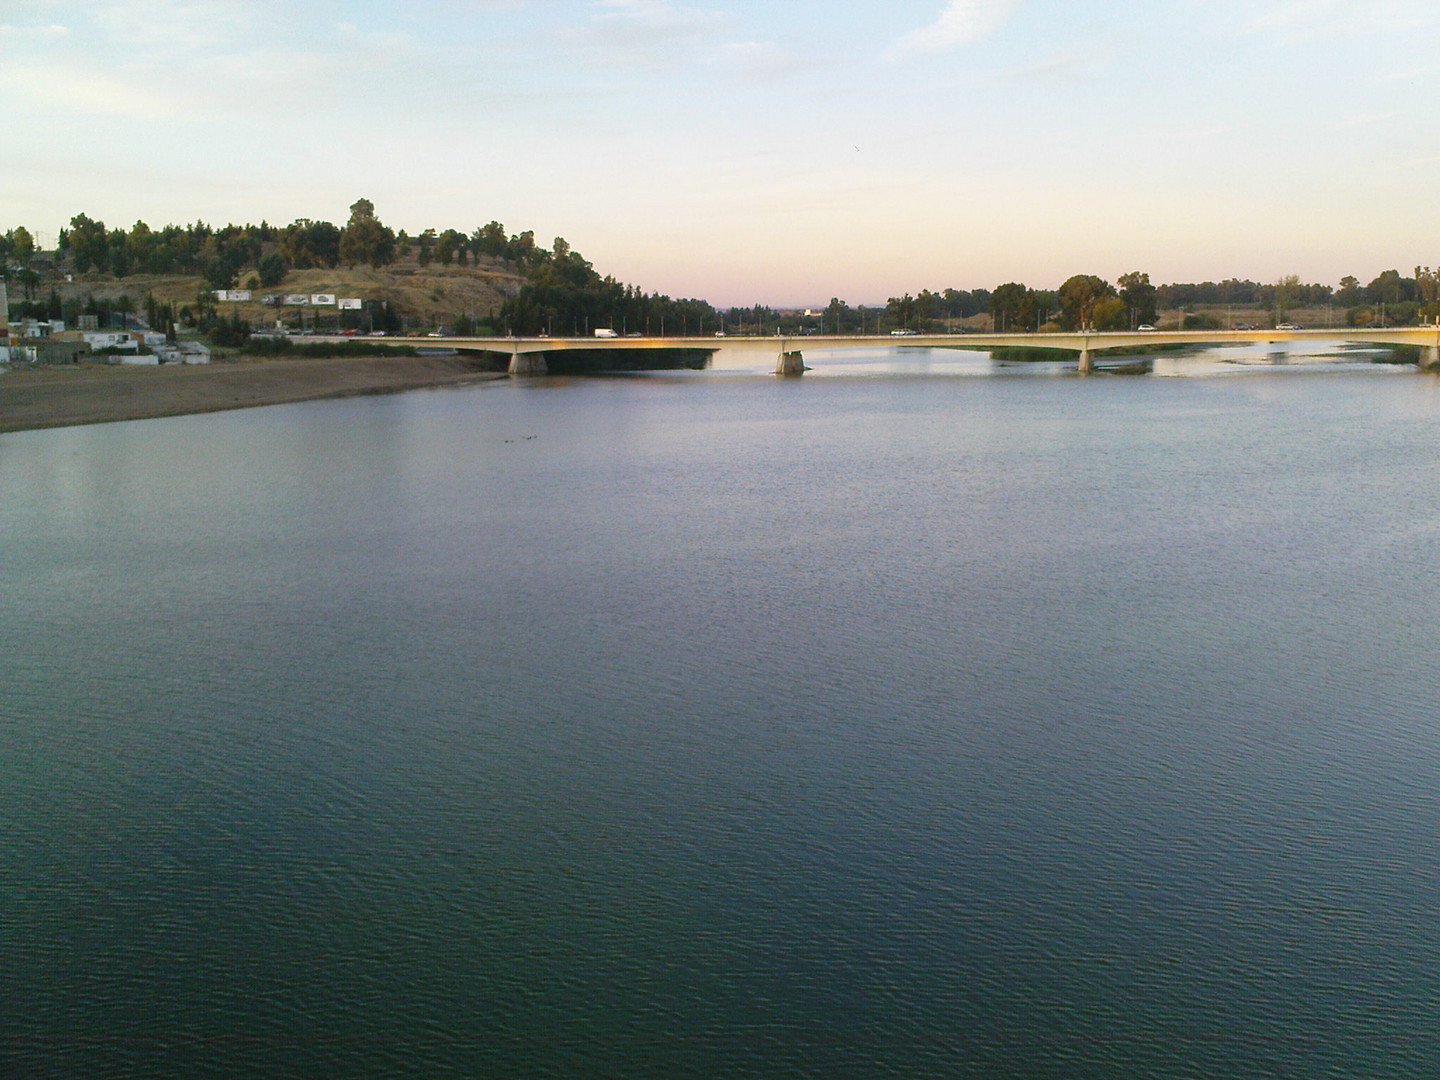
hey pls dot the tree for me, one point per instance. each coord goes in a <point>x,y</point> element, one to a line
<point>1012,306</point>
<point>220,273</point>
<point>1288,291</point>
<point>272,270</point>
<point>1427,288</point>
<point>1139,297</point>
<point>88,243</point>
<point>451,247</point>
<point>570,266</point>
<point>426,254</point>
<point>901,310</point>
<point>1386,289</point>
<point>309,243</point>
<point>1110,313</point>
<point>1349,291</point>
<point>960,304</point>
<point>22,246</point>
<point>928,306</point>
<point>489,240</point>
<point>233,331</point>
<point>140,244</point>
<point>1077,299</point>
<point>118,258</point>
<point>521,249</point>
<point>365,239</point>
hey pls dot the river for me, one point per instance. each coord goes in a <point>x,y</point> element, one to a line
<point>877,723</point>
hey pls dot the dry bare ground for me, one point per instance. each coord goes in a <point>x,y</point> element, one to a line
<point>99,393</point>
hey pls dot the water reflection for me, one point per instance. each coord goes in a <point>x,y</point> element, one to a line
<point>1231,359</point>
<point>757,357</point>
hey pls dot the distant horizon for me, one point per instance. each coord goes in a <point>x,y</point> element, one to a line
<point>47,243</point>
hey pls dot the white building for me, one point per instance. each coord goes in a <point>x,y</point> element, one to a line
<point>110,339</point>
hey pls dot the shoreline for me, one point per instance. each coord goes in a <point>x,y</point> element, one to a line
<point>67,396</point>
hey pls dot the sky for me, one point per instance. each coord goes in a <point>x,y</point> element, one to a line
<point>745,151</point>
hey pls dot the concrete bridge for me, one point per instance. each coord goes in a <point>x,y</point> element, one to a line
<point>527,355</point>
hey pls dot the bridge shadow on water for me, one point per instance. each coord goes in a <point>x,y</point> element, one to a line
<point>609,361</point>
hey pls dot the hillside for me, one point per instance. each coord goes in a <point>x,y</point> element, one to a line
<point>424,296</point>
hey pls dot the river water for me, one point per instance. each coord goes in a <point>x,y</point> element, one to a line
<point>877,723</point>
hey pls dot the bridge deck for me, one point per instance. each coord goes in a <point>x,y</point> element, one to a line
<point>1072,342</point>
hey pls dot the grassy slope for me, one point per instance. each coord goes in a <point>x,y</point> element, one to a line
<point>428,295</point>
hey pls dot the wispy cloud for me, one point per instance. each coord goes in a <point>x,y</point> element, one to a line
<point>391,43</point>
<point>1073,64</point>
<point>1363,119</point>
<point>1195,134</point>
<point>1301,19</point>
<point>75,90</point>
<point>961,22</point>
<point>176,24</point>
<point>31,35</point>
<point>644,32</point>
<point>756,59</point>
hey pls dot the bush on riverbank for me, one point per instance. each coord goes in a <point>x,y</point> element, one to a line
<point>322,350</point>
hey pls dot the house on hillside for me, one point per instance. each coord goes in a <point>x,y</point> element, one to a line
<point>59,351</point>
<point>120,340</point>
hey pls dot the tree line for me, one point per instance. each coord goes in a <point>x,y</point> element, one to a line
<point>562,293</point>
<point>221,254</point>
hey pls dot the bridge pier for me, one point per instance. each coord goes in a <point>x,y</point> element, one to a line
<point>1430,358</point>
<point>1087,364</point>
<point>790,363</point>
<point>528,363</point>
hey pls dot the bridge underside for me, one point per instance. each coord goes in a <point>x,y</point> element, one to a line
<point>528,356</point>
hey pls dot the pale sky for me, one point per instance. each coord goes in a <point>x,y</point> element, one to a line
<point>743,151</point>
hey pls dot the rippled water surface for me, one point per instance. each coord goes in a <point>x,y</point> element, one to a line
<point>712,725</point>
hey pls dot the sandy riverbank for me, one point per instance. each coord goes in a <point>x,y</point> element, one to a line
<point>98,393</point>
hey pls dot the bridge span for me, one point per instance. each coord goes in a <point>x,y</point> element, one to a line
<point>527,354</point>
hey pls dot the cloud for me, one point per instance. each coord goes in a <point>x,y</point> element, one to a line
<point>961,22</point>
<point>73,89</point>
<point>643,33</point>
<point>171,25</point>
<point>1364,119</point>
<point>1408,74</point>
<point>1327,18</point>
<point>756,59</point>
<point>653,21</point>
<point>377,44</point>
<point>1072,64</point>
<point>1195,134</point>
<point>31,35</point>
